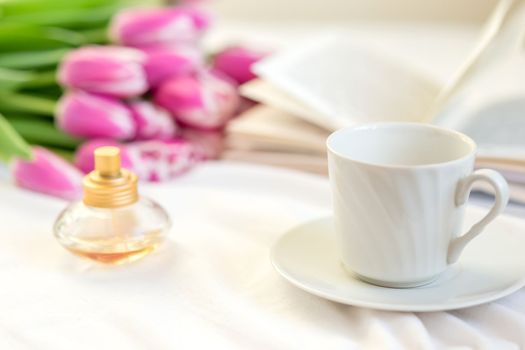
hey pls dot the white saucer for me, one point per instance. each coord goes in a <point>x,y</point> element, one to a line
<point>492,266</point>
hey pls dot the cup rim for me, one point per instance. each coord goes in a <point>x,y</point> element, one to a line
<point>451,132</point>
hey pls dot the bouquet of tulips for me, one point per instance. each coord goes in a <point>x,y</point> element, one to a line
<point>34,35</point>
<point>149,92</point>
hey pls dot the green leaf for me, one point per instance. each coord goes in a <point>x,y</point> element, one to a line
<point>13,7</point>
<point>23,103</point>
<point>31,59</point>
<point>10,79</point>
<point>74,18</point>
<point>40,79</point>
<point>43,132</point>
<point>22,37</point>
<point>50,92</point>
<point>96,35</point>
<point>11,144</point>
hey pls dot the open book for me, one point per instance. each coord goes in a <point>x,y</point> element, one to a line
<point>335,81</point>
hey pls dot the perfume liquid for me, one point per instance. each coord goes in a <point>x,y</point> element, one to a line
<point>117,257</point>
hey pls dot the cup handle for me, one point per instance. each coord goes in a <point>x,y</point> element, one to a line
<point>501,190</point>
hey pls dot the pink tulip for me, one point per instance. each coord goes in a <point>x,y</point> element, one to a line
<point>109,70</point>
<point>153,160</point>
<point>236,62</point>
<point>86,115</point>
<point>164,63</point>
<point>152,122</point>
<point>158,160</point>
<point>181,25</point>
<point>205,101</point>
<point>85,161</point>
<point>49,174</point>
<point>207,144</point>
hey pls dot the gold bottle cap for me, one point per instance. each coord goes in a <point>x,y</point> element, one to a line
<point>109,186</point>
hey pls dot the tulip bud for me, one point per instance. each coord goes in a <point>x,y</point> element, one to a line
<point>236,62</point>
<point>208,144</point>
<point>205,101</point>
<point>109,70</point>
<point>153,160</point>
<point>86,115</point>
<point>152,122</point>
<point>164,63</point>
<point>181,25</point>
<point>49,174</point>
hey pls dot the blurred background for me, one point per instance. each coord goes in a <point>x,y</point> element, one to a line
<point>463,11</point>
<point>176,84</point>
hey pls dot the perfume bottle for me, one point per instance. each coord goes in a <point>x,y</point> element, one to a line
<point>111,224</point>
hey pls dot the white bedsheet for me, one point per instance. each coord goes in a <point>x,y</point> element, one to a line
<point>212,286</point>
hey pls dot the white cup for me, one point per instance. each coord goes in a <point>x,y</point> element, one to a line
<point>399,193</point>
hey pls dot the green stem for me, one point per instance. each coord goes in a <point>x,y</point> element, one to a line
<point>95,35</point>
<point>40,79</point>
<point>32,59</point>
<point>11,143</point>
<point>43,132</point>
<point>10,79</point>
<point>17,102</point>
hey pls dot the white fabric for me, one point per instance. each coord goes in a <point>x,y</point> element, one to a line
<point>212,286</point>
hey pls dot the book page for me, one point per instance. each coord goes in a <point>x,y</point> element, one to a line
<point>490,109</point>
<point>267,128</point>
<point>348,83</point>
<point>505,10</point>
<point>344,81</point>
<point>268,94</point>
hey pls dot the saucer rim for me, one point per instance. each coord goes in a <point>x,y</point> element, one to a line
<point>517,285</point>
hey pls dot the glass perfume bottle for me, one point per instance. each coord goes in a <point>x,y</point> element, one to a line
<point>111,224</point>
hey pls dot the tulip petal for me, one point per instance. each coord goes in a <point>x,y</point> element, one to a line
<point>164,63</point>
<point>153,160</point>
<point>49,174</point>
<point>151,121</point>
<point>145,27</point>
<point>158,160</point>
<point>236,62</point>
<point>109,70</point>
<point>205,101</point>
<point>92,116</point>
